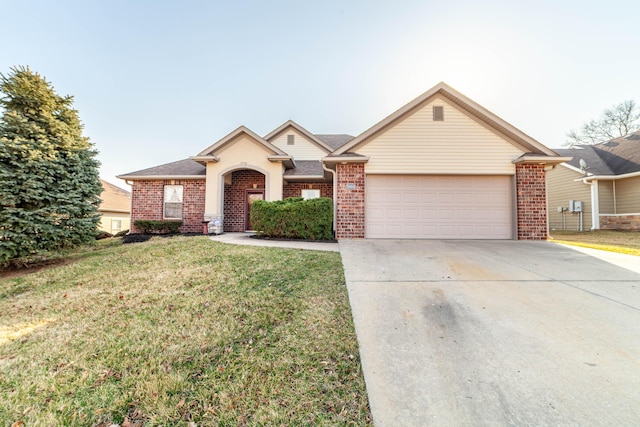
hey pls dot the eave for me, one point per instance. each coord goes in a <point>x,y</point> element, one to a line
<point>535,159</point>
<point>287,161</point>
<point>203,160</point>
<point>609,177</point>
<point>344,159</point>
<point>158,177</point>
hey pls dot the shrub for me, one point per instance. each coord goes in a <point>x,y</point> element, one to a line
<point>148,226</point>
<point>293,218</point>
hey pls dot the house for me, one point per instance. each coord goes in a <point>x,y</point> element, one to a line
<point>606,178</point>
<point>441,166</point>
<point>115,208</point>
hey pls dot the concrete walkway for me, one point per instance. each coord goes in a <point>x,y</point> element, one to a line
<point>495,332</point>
<point>246,239</point>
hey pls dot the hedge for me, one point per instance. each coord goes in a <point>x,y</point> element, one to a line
<point>160,227</point>
<point>293,218</point>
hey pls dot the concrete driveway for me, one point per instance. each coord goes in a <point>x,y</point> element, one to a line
<point>494,333</point>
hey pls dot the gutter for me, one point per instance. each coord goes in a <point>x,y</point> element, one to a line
<point>609,177</point>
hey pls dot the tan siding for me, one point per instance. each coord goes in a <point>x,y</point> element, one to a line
<point>561,188</point>
<point>628,195</point>
<point>106,221</point>
<point>457,145</point>
<point>605,197</point>
<point>303,148</point>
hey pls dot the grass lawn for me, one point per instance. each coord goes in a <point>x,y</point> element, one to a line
<point>177,331</point>
<point>627,242</point>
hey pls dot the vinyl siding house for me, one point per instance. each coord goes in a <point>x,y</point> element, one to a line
<point>115,208</point>
<point>605,178</point>
<point>442,166</point>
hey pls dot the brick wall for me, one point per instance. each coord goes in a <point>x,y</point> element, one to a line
<point>294,189</point>
<point>234,197</point>
<point>620,222</point>
<point>350,203</point>
<point>147,202</point>
<point>531,202</point>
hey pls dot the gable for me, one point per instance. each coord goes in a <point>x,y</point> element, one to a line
<point>303,147</point>
<point>459,144</point>
<point>245,148</point>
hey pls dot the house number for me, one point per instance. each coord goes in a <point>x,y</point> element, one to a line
<point>351,186</point>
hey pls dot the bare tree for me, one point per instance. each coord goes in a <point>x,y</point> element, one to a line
<point>619,120</point>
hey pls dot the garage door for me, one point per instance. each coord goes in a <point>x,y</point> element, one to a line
<point>439,207</point>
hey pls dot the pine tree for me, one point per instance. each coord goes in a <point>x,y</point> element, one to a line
<point>49,180</point>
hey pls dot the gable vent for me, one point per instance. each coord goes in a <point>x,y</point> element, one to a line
<point>290,139</point>
<point>438,114</point>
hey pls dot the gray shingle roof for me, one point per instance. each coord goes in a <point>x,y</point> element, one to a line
<point>186,167</point>
<point>306,168</point>
<point>616,157</point>
<point>335,141</point>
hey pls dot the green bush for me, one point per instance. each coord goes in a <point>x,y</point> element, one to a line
<point>293,218</point>
<point>149,226</point>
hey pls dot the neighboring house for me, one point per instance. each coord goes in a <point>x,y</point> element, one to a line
<point>440,167</point>
<point>115,208</point>
<point>605,178</point>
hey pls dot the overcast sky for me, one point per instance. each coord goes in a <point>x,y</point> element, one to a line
<point>158,81</point>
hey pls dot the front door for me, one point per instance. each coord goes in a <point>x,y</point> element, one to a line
<point>251,196</point>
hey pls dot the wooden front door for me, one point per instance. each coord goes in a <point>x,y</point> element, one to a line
<point>250,197</point>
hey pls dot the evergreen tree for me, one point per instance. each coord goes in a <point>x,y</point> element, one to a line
<point>49,180</point>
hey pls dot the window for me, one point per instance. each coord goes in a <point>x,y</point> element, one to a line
<point>116,226</point>
<point>438,114</point>
<point>291,139</point>
<point>310,194</point>
<point>173,202</point>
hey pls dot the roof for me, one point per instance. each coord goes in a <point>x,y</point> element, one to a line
<point>306,168</point>
<point>518,138</point>
<point>616,157</point>
<point>114,198</point>
<point>186,168</point>
<point>336,140</point>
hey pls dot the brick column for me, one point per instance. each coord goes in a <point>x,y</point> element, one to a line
<point>350,201</point>
<point>531,202</point>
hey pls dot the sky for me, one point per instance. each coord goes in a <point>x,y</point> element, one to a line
<point>157,81</point>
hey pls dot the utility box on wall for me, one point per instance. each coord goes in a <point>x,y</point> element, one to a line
<point>575,206</point>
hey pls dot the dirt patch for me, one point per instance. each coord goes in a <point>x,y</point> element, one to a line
<point>13,271</point>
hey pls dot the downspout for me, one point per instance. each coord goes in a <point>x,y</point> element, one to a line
<point>335,194</point>
<point>615,203</point>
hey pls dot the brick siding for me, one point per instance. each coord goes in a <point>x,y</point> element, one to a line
<point>147,202</point>
<point>620,222</point>
<point>234,197</point>
<point>531,202</point>
<point>350,203</point>
<point>294,189</point>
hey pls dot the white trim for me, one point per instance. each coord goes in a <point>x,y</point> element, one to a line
<point>624,214</point>
<point>158,177</point>
<point>595,206</point>
<point>612,177</point>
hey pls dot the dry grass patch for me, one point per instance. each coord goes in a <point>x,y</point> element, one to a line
<point>627,242</point>
<point>179,330</point>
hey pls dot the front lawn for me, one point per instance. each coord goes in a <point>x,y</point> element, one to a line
<point>627,242</point>
<point>181,330</point>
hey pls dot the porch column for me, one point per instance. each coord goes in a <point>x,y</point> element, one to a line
<point>350,198</point>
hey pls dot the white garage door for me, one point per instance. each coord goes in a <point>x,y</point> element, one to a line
<point>439,207</point>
